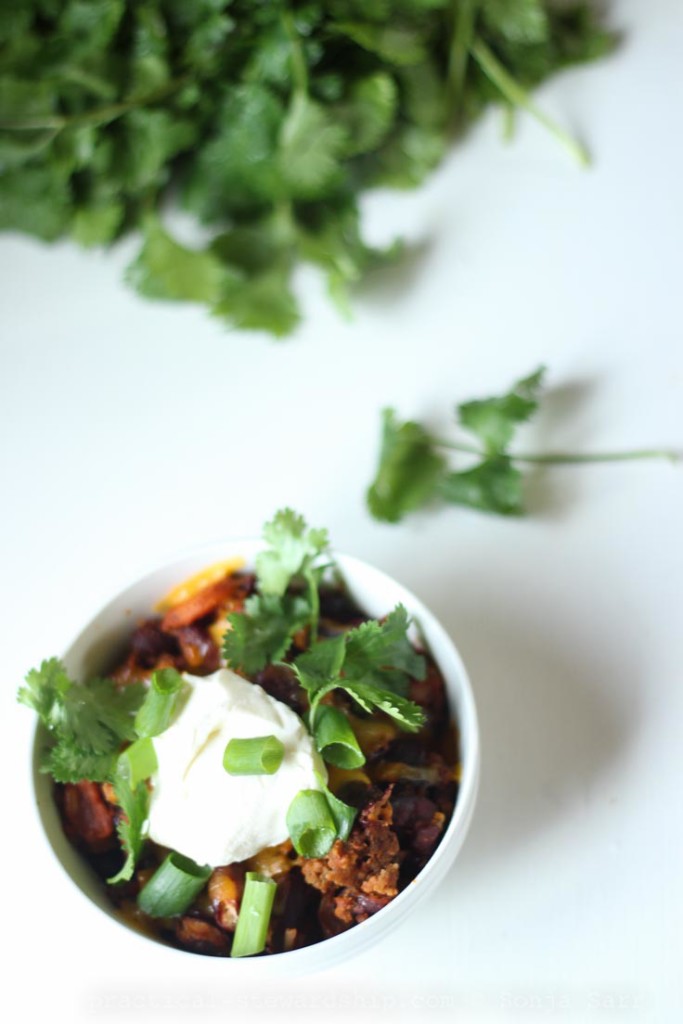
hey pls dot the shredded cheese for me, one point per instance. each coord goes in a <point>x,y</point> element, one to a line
<point>204,578</point>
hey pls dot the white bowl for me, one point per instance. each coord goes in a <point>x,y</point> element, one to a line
<point>105,637</point>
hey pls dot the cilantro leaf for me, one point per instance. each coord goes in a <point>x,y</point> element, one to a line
<point>493,420</point>
<point>395,44</point>
<point>164,269</point>
<point>333,242</point>
<point>409,471</point>
<point>260,301</point>
<point>309,149</point>
<point>263,631</point>
<point>293,551</point>
<point>370,663</point>
<point>408,715</point>
<point>518,21</point>
<point>101,706</point>
<point>368,113</point>
<point>67,762</point>
<point>89,720</point>
<point>134,805</point>
<point>35,199</point>
<point>43,690</point>
<point>410,153</point>
<point>381,653</point>
<point>98,223</point>
<point>494,485</point>
<point>320,666</point>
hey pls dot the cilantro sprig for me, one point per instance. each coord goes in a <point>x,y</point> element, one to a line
<point>415,466</point>
<point>89,723</point>
<point>296,556</point>
<point>372,664</point>
<point>131,825</point>
<point>265,121</point>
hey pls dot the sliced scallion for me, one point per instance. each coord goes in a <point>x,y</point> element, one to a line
<point>173,887</point>
<point>344,815</point>
<point>161,700</point>
<point>311,824</point>
<point>138,761</point>
<point>335,739</point>
<point>258,755</point>
<point>254,917</point>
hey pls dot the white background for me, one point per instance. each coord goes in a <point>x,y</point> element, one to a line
<point>132,429</point>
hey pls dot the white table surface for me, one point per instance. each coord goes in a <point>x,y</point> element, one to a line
<point>132,429</point>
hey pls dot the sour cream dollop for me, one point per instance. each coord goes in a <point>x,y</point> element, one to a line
<point>198,809</point>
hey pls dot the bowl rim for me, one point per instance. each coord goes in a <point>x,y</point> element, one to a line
<point>357,938</point>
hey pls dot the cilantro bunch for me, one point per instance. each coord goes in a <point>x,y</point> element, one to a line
<point>416,467</point>
<point>264,120</point>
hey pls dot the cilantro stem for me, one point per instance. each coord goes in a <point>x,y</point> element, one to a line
<point>464,18</point>
<point>566,458</point>
<point>515,94</point>
<point>100,115</point>
<point>314,598</point>
<point>299,68</point>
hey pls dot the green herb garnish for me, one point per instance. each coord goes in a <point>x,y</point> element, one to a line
<point>258,755</point>
<point>415,466</point>
<point>266,121</point>
<point>254,916</point>
<point>297,556</point>
<point>173,887</point>
<point>316,818</point>
<point>372,663</point>
<point>293,556</point>
<point>336,740</point>
<point>134,803</point>
<point>138,761</point>
<point>87,722</point>
<point>262,632</point>
<point>161,702</point>
<point>311,824</point>
<point>370,671</point>
<point>343,814</point>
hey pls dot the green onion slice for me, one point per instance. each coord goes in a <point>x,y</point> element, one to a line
<point>255,909</point>
<point>173,887</point>
<point>157,709</point>
<point>344,815</point>
<point>259,755</point>
<point>311,824</point>
<point>138,761</point>
<point>335,739</point>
